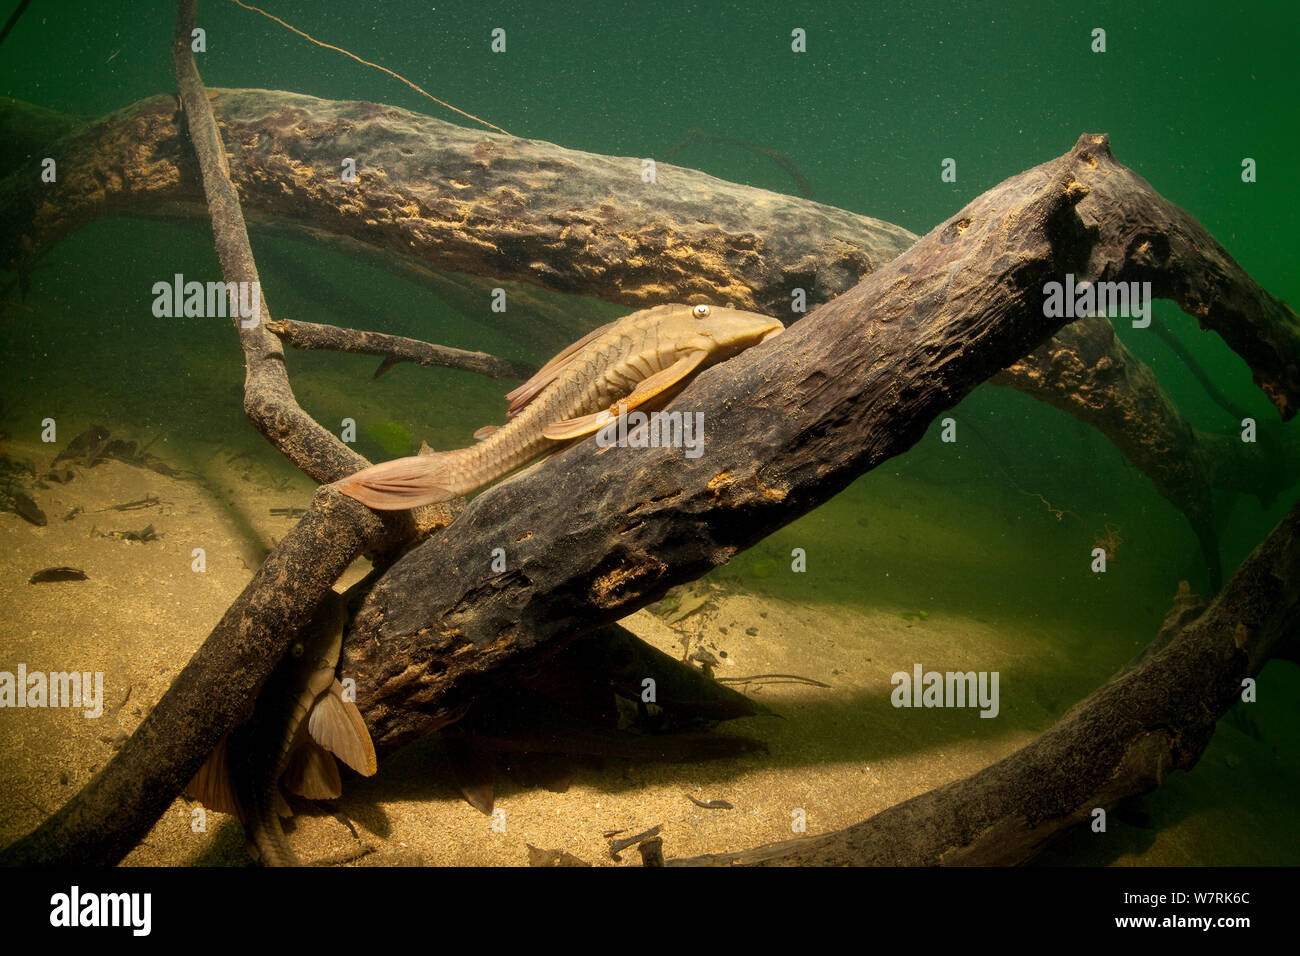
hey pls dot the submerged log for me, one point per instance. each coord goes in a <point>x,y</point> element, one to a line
<point>460,199</point>
<point>789,424</point>
<point>563,219</point>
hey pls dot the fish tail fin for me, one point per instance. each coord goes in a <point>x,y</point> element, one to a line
<point>401,483</point>
<point>213,785</point>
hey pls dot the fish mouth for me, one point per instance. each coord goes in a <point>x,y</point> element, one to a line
<point>771,333</point>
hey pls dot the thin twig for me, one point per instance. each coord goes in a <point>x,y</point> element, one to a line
<point>396,76</point>
<point>394,348</point>
<point>778,678</point>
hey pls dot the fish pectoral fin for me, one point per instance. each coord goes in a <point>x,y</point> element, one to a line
<point>665,379</point>
<point>646,390</point>
<point>400,483</point>
<point>336,725</point>
<point>213,786</point>
<point>313,773</point>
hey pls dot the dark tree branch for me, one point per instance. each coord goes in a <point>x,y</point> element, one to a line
<point>268,398</point>
<point>394,349</point>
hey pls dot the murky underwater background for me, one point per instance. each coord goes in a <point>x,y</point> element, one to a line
<point>958,532</point>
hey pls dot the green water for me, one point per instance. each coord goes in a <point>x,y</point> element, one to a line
<point>880,98</point>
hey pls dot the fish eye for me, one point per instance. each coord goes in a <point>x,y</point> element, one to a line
<point>297,650</point>
<point>700,312</point>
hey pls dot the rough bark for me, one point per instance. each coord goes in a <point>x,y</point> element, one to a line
<point>463,200</point>
<point>789,424</point>
<point>572,221</point>
<point>1120,742</point>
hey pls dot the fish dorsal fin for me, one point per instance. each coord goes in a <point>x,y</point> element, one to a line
<point>337,726</point>
<point>548,373</point>
<point>312,773</point>
<point>213,786</point>
<point>485,431</point>
<point>646,390</point>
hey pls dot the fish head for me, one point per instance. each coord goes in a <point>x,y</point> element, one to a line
<point>721,332</point>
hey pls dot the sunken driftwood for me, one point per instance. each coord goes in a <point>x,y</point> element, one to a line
<point>498,206</point>
<point>1120,742</point>
<point>789,424</point>
<point>567,220</point>
<point>463,200</point>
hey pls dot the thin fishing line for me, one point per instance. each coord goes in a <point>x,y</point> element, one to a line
<point>339,49</point>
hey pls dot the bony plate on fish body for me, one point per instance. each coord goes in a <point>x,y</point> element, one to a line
<point>638,361</point>
<point>300,724</point>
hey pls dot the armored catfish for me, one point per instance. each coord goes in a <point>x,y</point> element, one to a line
<point>639,360</point>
